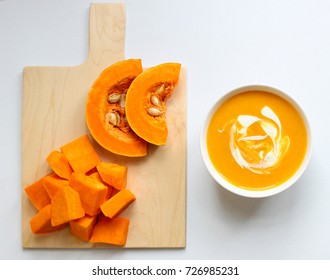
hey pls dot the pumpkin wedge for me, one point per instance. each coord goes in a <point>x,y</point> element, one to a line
<point>146,101</point>
<point>105,110</point>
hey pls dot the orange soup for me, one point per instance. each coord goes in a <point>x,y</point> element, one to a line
<point>256,140</point>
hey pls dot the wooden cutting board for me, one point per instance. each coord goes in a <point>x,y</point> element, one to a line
<point>53,114</point>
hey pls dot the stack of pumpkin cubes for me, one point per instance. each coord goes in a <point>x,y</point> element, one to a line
<point>83,193</point>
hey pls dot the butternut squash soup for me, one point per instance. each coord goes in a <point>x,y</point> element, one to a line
<point>256,140</point>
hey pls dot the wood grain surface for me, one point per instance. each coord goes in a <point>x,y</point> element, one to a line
<point>53,114</point>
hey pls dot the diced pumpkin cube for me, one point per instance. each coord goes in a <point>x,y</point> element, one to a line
<point>116,204</point>
<point>52,183</point>
<point>59,164</point>
<point>38,194</point>
<point>97,177</point>
<point>113,174</point>
<point>41,222</point>
<point>81,154</point>
<point>111,231</point>
<point>66,206</point>
<point>83,227</point>
<point>92,192</point>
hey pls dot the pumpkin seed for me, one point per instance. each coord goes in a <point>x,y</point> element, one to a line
<point>114,97</point>
<point>160,89</point>
<point>122,101</point>
<point>113,118</point>
<point>154,100</point>
<point>153,111</point>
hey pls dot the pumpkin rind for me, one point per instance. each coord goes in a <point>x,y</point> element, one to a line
<point>112,135</point>
<point>146,101</point>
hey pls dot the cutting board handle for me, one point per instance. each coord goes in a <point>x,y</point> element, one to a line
<point>106,33</point>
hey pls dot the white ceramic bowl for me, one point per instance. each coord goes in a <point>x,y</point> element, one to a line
<point>220,179</point>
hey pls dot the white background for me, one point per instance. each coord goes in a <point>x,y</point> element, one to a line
<point>224,44</point>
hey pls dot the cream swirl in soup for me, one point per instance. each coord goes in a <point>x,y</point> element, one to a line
<point>257,144</point>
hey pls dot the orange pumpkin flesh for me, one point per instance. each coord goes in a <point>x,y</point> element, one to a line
<point>146,101</point>
<point>105,110</point>
<point>77,201</point>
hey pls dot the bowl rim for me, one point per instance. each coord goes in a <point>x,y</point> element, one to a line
<point>219,178</point>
